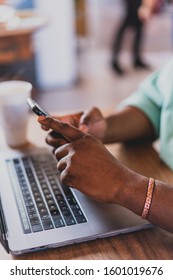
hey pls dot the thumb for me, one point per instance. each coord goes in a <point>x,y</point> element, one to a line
<point>91,116</point>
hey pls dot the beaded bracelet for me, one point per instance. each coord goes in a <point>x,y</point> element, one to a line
<point>148,200</point>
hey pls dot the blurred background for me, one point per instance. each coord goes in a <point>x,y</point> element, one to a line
<point>64,48</point>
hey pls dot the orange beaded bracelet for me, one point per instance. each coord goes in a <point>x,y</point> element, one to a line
<point>148,200</point>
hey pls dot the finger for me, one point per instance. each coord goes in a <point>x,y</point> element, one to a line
<point>72,119</point>
<point>45,127</point>
<point>69,132</point>
<point>54,150</point>
<point>66,178</point>
<point>55,142</point>
<point>61,152</point>
<point>93,115</point>
<point>56,135</point>
<point>84,128</point>
<point>62,164</point>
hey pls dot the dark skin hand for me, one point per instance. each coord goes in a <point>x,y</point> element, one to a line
<point>123,186</point>
<point>69,157</point>
<point>91,122</point>
<point>124,125</point>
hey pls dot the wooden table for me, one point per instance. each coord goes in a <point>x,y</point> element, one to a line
<point>154,243</point>
<point>16,42</point>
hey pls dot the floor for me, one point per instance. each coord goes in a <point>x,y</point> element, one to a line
<point>97,85</point>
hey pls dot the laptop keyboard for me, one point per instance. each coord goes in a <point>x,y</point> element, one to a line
<point>43,202</point>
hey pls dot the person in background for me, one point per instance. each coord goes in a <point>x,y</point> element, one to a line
<point>85,164</point>
<point>138,12</point>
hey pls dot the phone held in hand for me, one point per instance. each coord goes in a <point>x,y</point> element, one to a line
<point>37,109</point>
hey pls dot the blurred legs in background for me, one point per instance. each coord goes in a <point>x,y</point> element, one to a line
<point>131,20</point>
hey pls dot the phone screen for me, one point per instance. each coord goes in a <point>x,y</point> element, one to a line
<point>37,109</point>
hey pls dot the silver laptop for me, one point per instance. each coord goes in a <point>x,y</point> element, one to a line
<point>38,212</point>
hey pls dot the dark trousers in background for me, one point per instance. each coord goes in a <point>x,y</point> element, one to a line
<point>137,27</point>
<point>131,20</point>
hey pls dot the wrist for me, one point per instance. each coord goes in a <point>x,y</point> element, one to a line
<point>110,133</point>
<point>131,191</point>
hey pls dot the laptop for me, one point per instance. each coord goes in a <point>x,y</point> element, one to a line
<point>38,212</point>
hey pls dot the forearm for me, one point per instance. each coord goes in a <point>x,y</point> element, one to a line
<point>128,124</point>
<point>149,4</point>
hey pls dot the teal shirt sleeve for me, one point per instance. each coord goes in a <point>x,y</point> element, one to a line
<point>148,99</point>
<point>154,97</point>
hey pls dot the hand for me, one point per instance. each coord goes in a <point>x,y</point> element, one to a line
<point>94,123</point>
<point>144,13</point>
<point>91,121</point>
<point>57,140</point>
<point>85,164</point>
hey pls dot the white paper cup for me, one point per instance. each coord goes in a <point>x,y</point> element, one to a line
<point>14,111</point>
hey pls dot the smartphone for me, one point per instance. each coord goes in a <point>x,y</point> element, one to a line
<point>39,111</point>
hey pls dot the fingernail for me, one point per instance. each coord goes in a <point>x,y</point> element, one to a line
<point>41,118</point>
<point>84,128</point>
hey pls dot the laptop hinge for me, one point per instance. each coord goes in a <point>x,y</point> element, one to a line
<point>3,229</point>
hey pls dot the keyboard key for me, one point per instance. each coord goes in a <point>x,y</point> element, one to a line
<point>51,202</point>
<point>43,210</point>
<point>81,219</point>
<point>44,216</point>
<point>55,212</point>
<point>75,207</point>
<point>36,228</point>
<point>69,220</point>
<point>30,208</point>
<point>29,203</point>
<point>47,224</point>
<point>34,221</point>
<point>41,205</point>
<point>71,200</point>
<point>77,213</point>
<point>32,215</point>
<point>56,191</point>
<point>58,221</point>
